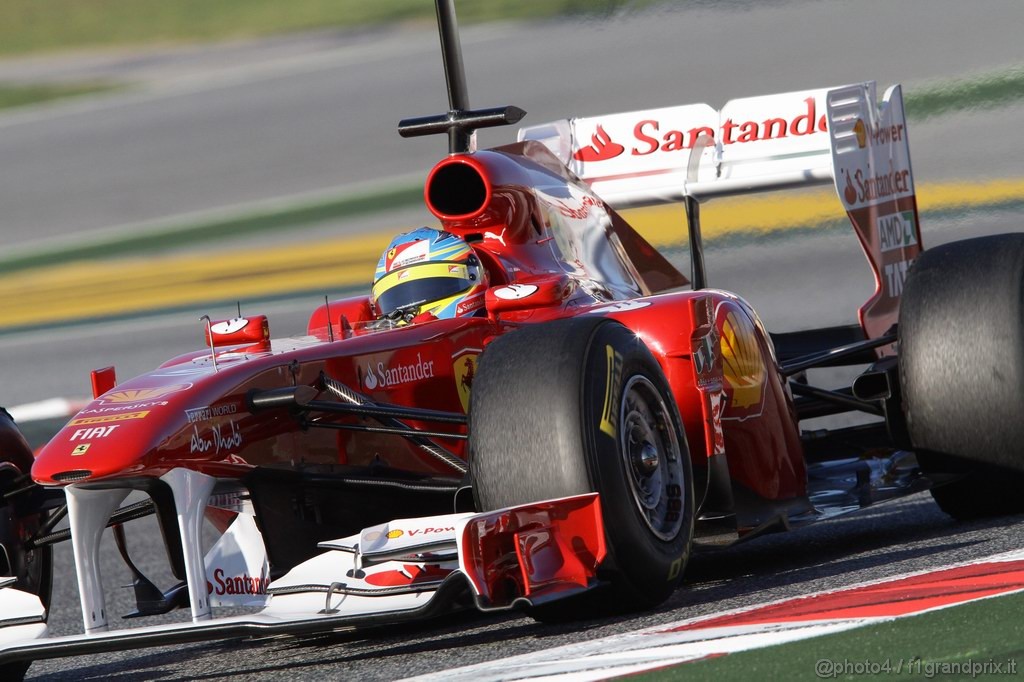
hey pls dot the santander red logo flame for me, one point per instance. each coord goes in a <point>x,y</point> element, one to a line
<point>602,149</point>
<point>850,193</point>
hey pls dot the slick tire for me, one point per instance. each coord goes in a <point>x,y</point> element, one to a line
<point>32,567</point>
<point>577,406</point>
<point>961,359</point>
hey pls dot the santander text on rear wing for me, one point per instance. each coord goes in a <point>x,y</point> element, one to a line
<point>838,135</point>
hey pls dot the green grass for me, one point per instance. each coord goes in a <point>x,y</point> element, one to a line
<point>979,632</point>
<point>987,91</point>
<point>20,95</point>
<point>46,25</point>
<point>218,230</point>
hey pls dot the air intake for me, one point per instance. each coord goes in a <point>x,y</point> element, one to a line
<point>72,476</point>
<point>457,189</point>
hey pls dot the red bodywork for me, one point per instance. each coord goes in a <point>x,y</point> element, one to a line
<point>532,223</point>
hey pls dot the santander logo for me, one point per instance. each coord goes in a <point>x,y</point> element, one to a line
<point>602,149</point>
<point>386,376</point>
<point>237,584</point>
<point>651,136</point>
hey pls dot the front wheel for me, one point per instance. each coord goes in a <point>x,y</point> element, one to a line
<point>577,406</point>
<point>31,566</point>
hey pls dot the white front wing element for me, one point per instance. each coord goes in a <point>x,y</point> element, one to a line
<point>404,560</point>
<point>342,586</point>
<point>394,566</point>
<point>191,492</point>
<point>401,570</point>
<point>237,571</point>
<point>22,616</point>
<point>90,510</point>
<point>88,513</point>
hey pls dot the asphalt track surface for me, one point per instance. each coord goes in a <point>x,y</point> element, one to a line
<point>699,55</point>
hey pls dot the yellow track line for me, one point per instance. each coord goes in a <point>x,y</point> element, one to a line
<point>776,212</point>
<point>88,289</point>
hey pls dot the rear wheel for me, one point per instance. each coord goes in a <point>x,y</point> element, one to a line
<point>982,491</point>
<point>961,336</point>
<point>32,567</point>
<point>577,406</point>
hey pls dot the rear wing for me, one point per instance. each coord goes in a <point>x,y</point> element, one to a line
<point>693,153</point>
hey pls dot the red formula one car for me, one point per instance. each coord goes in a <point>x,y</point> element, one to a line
<point>534,408</point>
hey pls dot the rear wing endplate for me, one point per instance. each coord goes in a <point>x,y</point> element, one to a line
<point>840,136</point>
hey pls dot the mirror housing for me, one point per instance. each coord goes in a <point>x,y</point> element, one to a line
<point>537,292</point>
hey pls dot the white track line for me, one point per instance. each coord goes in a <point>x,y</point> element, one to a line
<point>659,646</point>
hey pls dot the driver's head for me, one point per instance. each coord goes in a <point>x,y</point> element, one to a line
<point>428,271</point>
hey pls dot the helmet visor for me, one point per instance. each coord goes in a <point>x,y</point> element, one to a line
<point>420,284</point>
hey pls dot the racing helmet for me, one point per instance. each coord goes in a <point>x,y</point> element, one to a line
<point>428,271</point>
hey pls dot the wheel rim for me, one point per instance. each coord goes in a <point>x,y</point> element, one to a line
<point>652,457</point>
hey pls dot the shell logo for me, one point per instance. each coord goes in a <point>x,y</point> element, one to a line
<point>861,131</point>
<point>741,361</point>
<point>133,395</point>
<point>392,534</point>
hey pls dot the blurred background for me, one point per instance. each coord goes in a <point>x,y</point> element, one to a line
<point>164,159</point>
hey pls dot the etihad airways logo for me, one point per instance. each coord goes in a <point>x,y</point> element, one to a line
<point>384,376</point>
<point>651,135</point>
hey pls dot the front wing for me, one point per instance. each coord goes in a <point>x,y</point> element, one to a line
<point>407,569</point>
